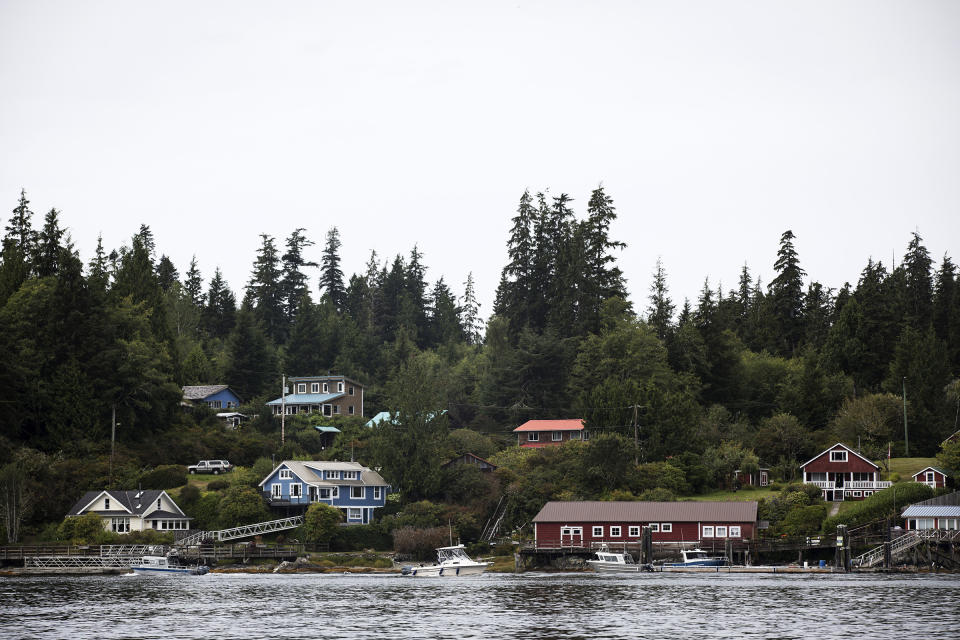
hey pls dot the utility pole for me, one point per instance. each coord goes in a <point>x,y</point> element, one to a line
<point>636,438</point>
<point>906,432</point>
<point>113,436</point>
<point>283,408</point>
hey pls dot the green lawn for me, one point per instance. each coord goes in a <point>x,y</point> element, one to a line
<point>906,467</point>
<point>743,495</point>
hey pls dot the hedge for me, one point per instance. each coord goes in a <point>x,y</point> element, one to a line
<point>888,503</point>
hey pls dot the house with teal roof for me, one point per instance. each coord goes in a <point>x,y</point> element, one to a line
<point>326,395</point>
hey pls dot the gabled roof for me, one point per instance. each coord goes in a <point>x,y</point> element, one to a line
<point>706,511</point>
<point>840,444</point>
<point>937,469</point>
<point>200,392</point>
<point>551,425</point>
<point>469,455</point>
<point>135,502</point>
<point>307,398</point>
<point>307,470</point>
<point>945,506</point>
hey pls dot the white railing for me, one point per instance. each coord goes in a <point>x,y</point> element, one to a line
<point>244,531</point>
<point>852,484</point>
<point>907,541</point>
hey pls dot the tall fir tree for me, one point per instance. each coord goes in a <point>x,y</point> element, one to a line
<point>470,313</point>
<point>193,285</point>
<point>264,292</point>
<point>293,281</point>
<point>918,290</point>
<point>46,261</point>
<point>660,311</point>
<point>786,297</point>
<point>331,276</point>
<point>219,314</point>
<point>516,289</point>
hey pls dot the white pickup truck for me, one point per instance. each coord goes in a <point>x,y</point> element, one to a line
<point>210,466</point>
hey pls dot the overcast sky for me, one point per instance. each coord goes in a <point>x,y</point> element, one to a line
<point>714,126</point>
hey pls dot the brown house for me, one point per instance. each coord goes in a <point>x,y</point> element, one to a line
<point>326,395</point>
<point>536,434</point>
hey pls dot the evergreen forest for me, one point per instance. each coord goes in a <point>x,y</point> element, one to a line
<point>676,394</point>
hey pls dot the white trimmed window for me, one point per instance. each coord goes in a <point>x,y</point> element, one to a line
<point>350,390</point>
<point>597,532</point>
<point>106,504</point>
<point>326,388</point>
<point>335,492</point>
<point>350,475</point>
<point>634,532</point>
<point>286,474</point>
<point>930,477</point>
<point>333,475</point>
<point>857,494</point>
<point>357,493</point>
<point>339,387</point>
<point>867,494</point>
<point>314,387</point>
<point>302,387</point>
<point>276,490</point>
<point>707,532</point>
<point>120,525</point>
<point>666,527</point>
<point>574,435</point>
<point>336,409</point>
<point>533,436</point>
<point>354,515</point>
<point>655,527</point>
<point>556,436</point>
<point>734,532</point>
<point>721,532</point>
<point>296,490</point>
<point>327,410</point>
<point>350,410</point>
<point>377,493</point>
<point>838,456</point>
<point>614,532</point>
<point>158,503</point>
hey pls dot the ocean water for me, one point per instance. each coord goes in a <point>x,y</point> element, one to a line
<point>531,605</point>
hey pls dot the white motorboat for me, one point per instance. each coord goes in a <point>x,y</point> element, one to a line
<point>697,558</point>
<point>167,565</point>
<point>451,562</point>
<point>607,560</point>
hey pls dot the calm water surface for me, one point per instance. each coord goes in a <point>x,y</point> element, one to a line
<point>490,606</point>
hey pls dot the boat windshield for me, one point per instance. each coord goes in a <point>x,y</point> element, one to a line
<point>691,555</point>
<point>452,554</point>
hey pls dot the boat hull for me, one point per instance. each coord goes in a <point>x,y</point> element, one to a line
<point>709,562</point>
<point>192,571</point>
<point>437,571</point>
<point>616,567</point>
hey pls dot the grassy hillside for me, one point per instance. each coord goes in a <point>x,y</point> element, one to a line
<point>906,467</point>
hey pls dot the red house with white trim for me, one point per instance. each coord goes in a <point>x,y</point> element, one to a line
<point>932,477</point>
<point>586,524</point>
<point>547,433</point>
<point>843,474</point>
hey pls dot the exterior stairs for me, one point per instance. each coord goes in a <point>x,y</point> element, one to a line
<point>245,531</point>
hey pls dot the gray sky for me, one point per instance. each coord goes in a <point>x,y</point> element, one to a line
<point>714,126</point>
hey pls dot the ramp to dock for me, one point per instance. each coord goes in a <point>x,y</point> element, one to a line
<point>244,531</point>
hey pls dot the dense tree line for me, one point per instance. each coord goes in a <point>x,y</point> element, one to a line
<point>776,371</point>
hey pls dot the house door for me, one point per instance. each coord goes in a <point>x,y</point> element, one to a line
<point>312,492</point>
<point>571,536</point>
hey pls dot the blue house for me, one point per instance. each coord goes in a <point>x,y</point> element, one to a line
<point>215,396</point>
<point>349,486</point>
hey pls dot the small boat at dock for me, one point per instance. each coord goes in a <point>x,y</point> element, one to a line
<point>697,558</point>
<point>609,561</point>
<point>451,562</point>
<point>169,565</point>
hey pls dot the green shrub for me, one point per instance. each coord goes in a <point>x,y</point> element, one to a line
<point>803,521</point>
<point>358,537</point>
<point>657,495</point>
<point>888,503</point>
<point>167,476</point>
<point>217,485</point>
<point>320,523</point>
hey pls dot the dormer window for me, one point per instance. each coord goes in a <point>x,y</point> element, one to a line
<point>286,474</point>
<point>314,387</point>
<point>333,475</point>
<point>838,456</point>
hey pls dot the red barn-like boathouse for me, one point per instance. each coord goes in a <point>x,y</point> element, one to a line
<point>585,524</point>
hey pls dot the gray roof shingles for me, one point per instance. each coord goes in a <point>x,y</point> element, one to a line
<point>745,511</point>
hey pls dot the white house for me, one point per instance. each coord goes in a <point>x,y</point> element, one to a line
<point>126,511</point>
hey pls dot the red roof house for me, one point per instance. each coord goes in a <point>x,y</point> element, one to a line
<point>843,474</point>
<point>587,524</point>
<point>547,433</point>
